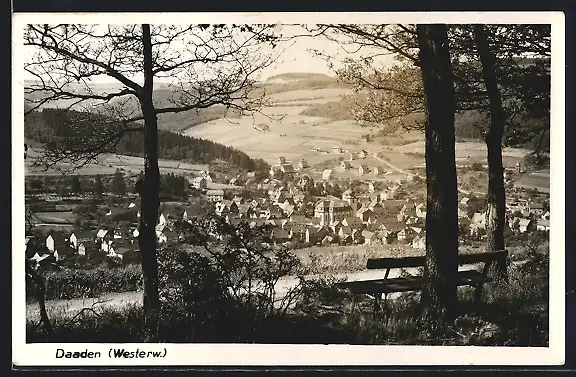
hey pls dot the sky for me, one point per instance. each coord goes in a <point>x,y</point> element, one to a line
<point>296,56</point>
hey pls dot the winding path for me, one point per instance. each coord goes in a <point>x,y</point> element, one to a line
<point>375,155</point>
<point>73,306</point>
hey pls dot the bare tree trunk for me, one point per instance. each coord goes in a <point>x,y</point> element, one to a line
<point>496,197</point>
<point>40,293</point>
<point>440,270</point>
<point>149,189</point>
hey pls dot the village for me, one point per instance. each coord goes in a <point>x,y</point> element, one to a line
<point>300,210</point>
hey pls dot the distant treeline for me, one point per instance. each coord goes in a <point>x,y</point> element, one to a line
<point>53,124</point>
<point>469,124</point>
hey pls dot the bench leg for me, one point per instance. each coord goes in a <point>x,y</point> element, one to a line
<point>478,293</point>
<point>377,299</point>
<point>386,309</point>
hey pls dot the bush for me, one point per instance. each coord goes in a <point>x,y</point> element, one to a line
<point>74,283</point>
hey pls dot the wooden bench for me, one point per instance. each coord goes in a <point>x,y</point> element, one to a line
<point>379,287</point>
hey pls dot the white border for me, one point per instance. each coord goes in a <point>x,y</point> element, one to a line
<point>237,354</point>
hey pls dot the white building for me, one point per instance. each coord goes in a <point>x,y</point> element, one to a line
<point>215,195</point>
<point>331,211</point>
<point>200,183</point>
<point>327,174</point>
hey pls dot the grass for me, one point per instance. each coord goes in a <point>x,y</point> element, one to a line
<point>511,314</point>
<point>328,260</point>
<point>71,283</point>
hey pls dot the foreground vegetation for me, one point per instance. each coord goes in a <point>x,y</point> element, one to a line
<point>512,314</point>
<point>69,283</point>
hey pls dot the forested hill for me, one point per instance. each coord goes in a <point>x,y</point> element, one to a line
<point>51,125</point>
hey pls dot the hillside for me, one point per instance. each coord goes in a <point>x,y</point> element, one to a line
<point>62,129</point>
<point>162,97</point>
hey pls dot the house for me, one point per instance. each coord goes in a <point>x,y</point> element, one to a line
<point>101,234</point>
<point>73,241</point>
<point>207,175</point>
<point>369,237</point>
<point>81,249</point>
<point>464,224</point>
<point>407,234</point>
<point>327,174</point>
<point>363,154</point>
<point>85,236</point>
<point>274,170</point>
<point>129,254</point>
<point>524,225</point>
<point>353,222</point>
<point>419,242</point>
<point>363,169</point>
<point>345,232</point>
<point>287,168</point>
<point>50,243</point>
<point>477,223</point>
<point>394,227</point>
<point>387,195</point>
<point>371,187</point>
<point>345,165</point>
<point>281,160</point>
<point>162,219</point>
<point>303,164</point>
<point>421,211</point>
<point>536,207</point>
<point>314,235</point>
<point>378,170</point>
<point>364,214</point>
<point>215,195</point>
<point>336,149</point>
<point>543,225</point>
<point>200,183</point>
<point>376,207</point>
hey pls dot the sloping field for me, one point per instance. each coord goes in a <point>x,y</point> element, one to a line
<point>291,136</point>
<point>108,164</point>
<point>469,152</point>
<point>539,180</point>
<point>56,217</point>
<point>327,94</point>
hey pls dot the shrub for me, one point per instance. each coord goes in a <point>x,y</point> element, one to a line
<point>74,283</point>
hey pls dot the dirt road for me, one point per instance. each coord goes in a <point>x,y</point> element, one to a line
<point>71,307</point>
<point>414,175</point>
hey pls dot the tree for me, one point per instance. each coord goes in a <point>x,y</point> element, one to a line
<point>213,65</point>
<point>75,185</point>
<point>118,186</point>
<point>513,93</point>
<point>496,196</point>
<point>440,270</point>
<point>98,185</point>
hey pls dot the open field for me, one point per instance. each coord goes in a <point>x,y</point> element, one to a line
<point>467,152</point>
<point>539,180</point>
<point>109,163</point>
<point>312,138</point>
<point>56,217</point>
<point>312,95</point>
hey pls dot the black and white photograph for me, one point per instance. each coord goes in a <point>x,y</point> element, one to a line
<point>288,189</point>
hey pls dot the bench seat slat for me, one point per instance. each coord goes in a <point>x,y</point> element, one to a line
<point>419,261</point>
<point>404,284</point>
